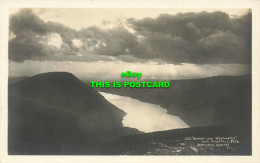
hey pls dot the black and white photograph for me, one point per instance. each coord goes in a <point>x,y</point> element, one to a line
<point>130,81</point>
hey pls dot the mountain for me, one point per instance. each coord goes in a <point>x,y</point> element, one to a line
<point>219,100</point>
<point>16,79</point>
<point>207,140</point>
<point>55,113</point>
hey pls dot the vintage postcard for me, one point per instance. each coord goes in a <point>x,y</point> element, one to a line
<point>130,81</point>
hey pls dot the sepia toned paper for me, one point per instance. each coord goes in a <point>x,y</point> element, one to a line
<point>52,52</point>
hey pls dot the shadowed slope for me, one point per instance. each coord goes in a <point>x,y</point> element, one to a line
<point>52,108</point>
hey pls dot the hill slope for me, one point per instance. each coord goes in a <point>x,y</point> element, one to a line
<point>210,140</point>
<point>56,113</point>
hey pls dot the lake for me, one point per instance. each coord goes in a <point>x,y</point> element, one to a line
<point>144,116</point>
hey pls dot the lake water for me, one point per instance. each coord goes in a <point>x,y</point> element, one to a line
<point>144,116</point>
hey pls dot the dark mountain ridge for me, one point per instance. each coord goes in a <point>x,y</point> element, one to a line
<point>39,105</point>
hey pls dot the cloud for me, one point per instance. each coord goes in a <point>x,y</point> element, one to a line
<point>77,43</point>
<point>195,38</point>
<point>202,38</point>
<point>112,42</point>
<point>31,38</point>
<point>54,40</point>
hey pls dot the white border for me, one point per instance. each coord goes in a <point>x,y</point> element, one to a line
<point>4,13</point>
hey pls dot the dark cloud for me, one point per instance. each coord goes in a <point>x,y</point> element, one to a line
<point>195,38</point>
<point>183,38</point>
<point>30,34</point>
<point>111,42</point>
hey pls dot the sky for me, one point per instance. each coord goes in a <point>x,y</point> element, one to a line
<point>102,43</point>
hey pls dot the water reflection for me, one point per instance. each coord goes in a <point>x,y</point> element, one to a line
<point>143,116</point>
